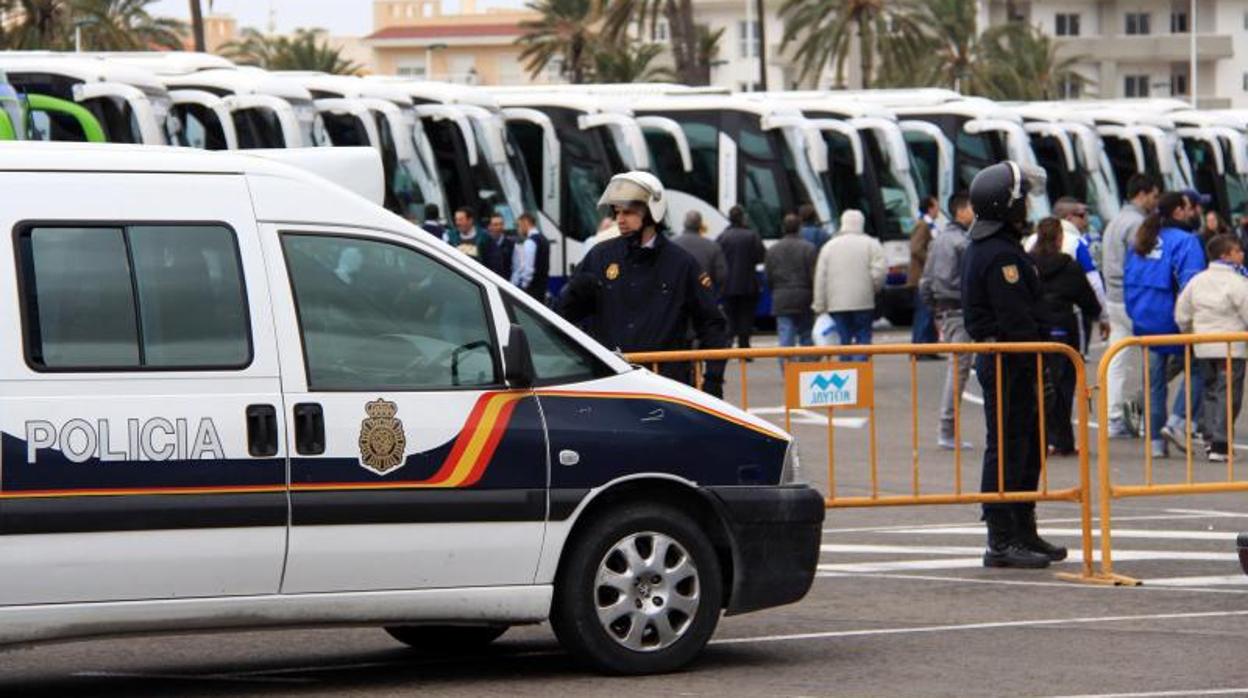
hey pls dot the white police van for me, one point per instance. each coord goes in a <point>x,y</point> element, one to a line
<point>237,396</point>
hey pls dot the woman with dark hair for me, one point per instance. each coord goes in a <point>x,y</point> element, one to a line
<point>1064,286</point>
<point>1212,226</point>
<point>1165,256</point>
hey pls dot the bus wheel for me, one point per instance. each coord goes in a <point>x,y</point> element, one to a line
<point>639,592</point>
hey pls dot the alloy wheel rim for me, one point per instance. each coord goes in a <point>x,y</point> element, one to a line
<point>647,591</point>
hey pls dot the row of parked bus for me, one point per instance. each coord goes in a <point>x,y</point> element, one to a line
<point>551,149</point>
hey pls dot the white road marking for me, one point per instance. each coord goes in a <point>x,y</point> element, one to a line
<point>954,563</point>
<point>1216,580</point>
<point>1162,694</point>
<point>1209,513</point>
<point>1029,583</point>
<point>1077,533</point>
<point>800,416</point>
<point>1181,514</point>
<point>1086,620</point>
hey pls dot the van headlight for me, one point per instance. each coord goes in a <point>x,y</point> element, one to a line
<point>791,471</point>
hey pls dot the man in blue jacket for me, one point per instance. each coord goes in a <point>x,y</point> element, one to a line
<point>1165,256</point>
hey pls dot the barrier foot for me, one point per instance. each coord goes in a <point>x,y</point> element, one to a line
<point>1115,580</point>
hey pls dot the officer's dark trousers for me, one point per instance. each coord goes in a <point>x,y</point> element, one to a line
<point>1021,435</point>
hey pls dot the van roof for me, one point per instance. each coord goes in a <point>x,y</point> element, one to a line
<point>441,92</point>
<point>242,80</point>
<point>85,68</point>
<point>355,171</point>
<point>167,62</point>
<point>346,86</point>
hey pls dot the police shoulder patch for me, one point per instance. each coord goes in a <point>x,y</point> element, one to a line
<point>704,279</point>
<point>1010,271</point>
<point>613,271</point>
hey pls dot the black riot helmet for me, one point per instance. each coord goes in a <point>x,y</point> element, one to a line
<point>999,196</point>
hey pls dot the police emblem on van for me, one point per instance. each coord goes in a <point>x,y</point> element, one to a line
<point>381,438</point>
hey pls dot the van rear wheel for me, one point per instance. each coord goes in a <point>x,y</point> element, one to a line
<point>446,638</point>
<point>640,591</point>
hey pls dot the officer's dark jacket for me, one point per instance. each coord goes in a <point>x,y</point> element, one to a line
<point>643,299</point>
<point>1001,297</point>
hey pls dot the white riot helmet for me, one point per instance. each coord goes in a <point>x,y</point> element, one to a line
<point>635,187</point>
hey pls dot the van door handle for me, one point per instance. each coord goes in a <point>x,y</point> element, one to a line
<point>262,430</point>
<point>309,429</point>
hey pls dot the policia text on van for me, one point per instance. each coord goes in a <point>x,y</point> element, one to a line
<point>238,395</point>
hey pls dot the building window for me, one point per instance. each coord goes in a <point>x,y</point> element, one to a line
<point>1178,23</point>
<point>1178,84</point>
<point>1245,82</point>
<point>747,39</point>
<point>1138,23</point>
<point>748,87</point>
<point>411,68</point>
<point>426,10</point>
<point>1067,25</point>
<point>659,33</point>
<point>1136,86</point>
<point>1071,88</point>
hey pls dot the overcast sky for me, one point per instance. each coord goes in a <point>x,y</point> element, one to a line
<point>342,17</point>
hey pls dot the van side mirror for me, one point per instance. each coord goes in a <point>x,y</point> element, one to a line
<point>518,368</point>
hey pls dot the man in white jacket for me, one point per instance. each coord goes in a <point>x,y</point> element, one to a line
<point>850,271</point>
<point>1216,301</point>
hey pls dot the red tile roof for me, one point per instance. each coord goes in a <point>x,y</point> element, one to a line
<point>451,30</point>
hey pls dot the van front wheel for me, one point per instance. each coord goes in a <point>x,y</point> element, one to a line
<point>446,638</point>
<point>640,591</point>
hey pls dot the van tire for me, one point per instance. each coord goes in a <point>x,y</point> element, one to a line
<point>443,639</point>
<point>653,594</point>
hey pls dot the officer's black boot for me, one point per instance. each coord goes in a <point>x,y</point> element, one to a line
<point>1025,533</point>
<point>1003,549</point>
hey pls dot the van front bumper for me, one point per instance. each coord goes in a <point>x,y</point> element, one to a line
<point>775,533</point>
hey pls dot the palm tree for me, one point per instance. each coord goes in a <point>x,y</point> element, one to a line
<point>825,32</point>
<point>687,36</point>
<point>125,25</point>
<point>42,24</point>
<point>630,63</point>
<point>565,31</point>
<point>1023,64</point>
<point>306,49</point>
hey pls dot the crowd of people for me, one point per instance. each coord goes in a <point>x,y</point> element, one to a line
<point>1165,264</point>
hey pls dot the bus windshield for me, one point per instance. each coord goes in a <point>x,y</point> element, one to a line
<point>312,128</point>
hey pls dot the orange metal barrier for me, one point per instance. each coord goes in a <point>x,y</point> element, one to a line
<point>956,493</point>
<point>1108,490</point>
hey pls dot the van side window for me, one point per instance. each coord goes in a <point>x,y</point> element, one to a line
<point>133,297</point>
<point>556,358</point>
<point>379,316</point>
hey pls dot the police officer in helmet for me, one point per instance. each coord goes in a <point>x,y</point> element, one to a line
<point>640,292</point>
<point>1001,303</point>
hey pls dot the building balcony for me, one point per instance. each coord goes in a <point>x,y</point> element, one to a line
<point>1148,48</point>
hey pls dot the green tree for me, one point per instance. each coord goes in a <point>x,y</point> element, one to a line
<point>630,63</point>
<point>40,24</point>
<point>687,37</point>
<point>825,32</point>
<point>306,49</point>
<point>106,25</point>
<point>1023,64</point>
<point>566,30</point>
<point>125,25</point>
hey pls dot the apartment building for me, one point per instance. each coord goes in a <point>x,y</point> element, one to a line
<point>416,38</point>
<point>1143,48</point>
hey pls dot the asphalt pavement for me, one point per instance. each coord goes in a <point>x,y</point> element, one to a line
<point>901,605</point>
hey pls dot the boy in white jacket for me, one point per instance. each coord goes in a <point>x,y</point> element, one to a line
<point>1216,300</point>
